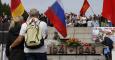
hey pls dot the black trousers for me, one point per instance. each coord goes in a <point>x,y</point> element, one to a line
<point>36,56</point>
<point>17,54</point>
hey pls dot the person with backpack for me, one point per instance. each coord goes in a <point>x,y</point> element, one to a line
<point>16,53</point>
<point>35,32</point>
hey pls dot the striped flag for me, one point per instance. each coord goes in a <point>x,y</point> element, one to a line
<point>109,10</point>
<point>84,7</point>
<point>17,8</point>
<point>56,15</point>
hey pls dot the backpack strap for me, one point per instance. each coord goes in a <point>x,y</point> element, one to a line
<point>31,23</point>
<point>39,22</point>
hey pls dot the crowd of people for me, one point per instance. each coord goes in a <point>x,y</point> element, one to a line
<point>84,21</point>
<point>17,50</point>
<point>73,20</point>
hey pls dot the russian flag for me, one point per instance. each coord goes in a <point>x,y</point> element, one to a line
<point>56,15</point>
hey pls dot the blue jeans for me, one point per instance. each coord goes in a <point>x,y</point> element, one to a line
<point>36,56</point>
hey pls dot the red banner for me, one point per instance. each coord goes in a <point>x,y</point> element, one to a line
<point>84,7</point>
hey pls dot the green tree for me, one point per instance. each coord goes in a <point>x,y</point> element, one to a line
<point>6,9</point>
<point>1,11</point>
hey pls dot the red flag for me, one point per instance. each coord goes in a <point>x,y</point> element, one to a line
<point>109,10</point>
<point>84,7</point>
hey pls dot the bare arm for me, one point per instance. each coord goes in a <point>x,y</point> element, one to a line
<point>20,38</point>
<point>17,41</point>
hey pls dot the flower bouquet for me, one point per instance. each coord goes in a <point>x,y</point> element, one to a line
<point>73,42</point>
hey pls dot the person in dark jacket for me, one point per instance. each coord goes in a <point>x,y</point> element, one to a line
<point>16,53</point>
<point>108,42</point>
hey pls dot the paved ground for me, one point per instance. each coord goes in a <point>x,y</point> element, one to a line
<point>0,51</point>
<point>58,57</point>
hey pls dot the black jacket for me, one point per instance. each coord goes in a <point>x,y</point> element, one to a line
<point>108,42</point>
<point>12,35</point>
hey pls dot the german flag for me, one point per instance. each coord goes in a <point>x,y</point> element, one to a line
<point>17,8</point>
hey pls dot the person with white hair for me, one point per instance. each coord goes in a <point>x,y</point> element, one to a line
<point>37,53</point>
